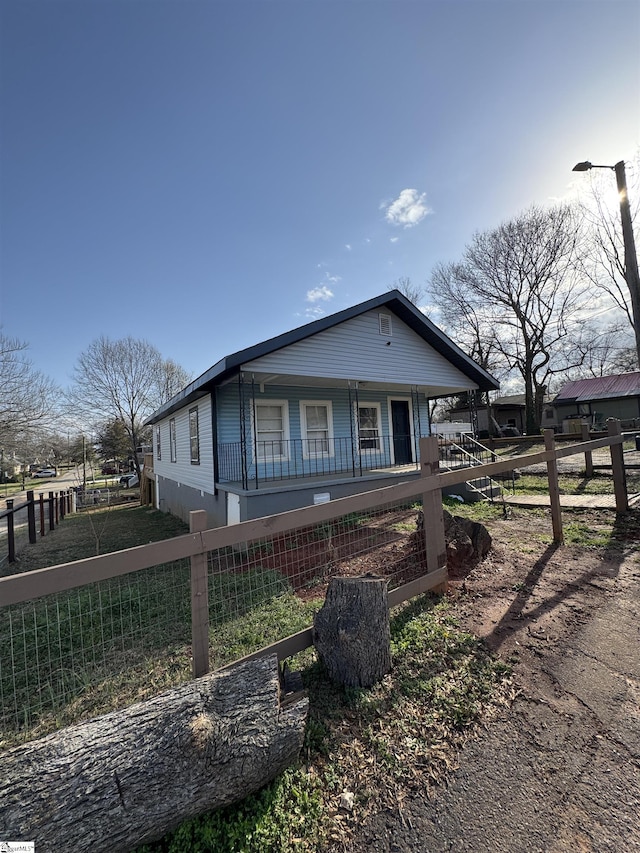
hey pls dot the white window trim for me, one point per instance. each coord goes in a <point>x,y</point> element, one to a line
<point>364,404</point>
<point>285,427</point>
<point>306,454</point>
<point>195,460</point>
<point>173,441</point>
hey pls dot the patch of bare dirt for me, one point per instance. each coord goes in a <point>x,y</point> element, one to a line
<point>560,770</point>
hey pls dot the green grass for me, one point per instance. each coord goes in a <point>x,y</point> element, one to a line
<point>475,511</point>
<point>400,732</point>
<point>574,484</point>
<point>586,535</point>
<point>102,646</point>
<point>118,528</point>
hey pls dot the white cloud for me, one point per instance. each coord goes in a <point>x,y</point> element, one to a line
<point>394,239</point>
<point>347,246</point>
<point>408,209</point>
<point>319,294</point>
<point>314,313</point>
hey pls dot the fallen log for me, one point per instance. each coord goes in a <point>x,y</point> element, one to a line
<point>130,776</point>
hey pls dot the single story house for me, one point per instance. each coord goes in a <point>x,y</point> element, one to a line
<point>594,400</point>
<point>332,408</point>
<point>507,412</point>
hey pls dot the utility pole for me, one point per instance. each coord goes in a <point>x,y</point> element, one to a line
<point>630,256</point>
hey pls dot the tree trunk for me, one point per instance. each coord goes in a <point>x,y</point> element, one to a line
<point>130,776</point>
<point>351,631</point>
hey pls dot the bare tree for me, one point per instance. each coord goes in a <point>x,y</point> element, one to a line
<point>520,300</point>
<point>415,293</point>
<point>127,380</point>
<point>27,397</point>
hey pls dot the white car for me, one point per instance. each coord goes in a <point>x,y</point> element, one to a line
<point>46,473</point>
<point>129,480</point>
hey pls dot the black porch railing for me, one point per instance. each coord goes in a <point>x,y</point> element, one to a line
<point>467,452</point>
<point>297,458</point>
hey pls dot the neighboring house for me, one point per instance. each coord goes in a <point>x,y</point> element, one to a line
<point>508,412</point>
<point>330,409</point>
<point>595,400</point>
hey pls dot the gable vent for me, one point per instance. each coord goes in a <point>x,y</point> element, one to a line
<point>385,324</point>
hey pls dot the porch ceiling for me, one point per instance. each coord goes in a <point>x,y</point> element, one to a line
<point>265,380</point>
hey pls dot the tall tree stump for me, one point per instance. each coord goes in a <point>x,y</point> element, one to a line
<point>130,776</point>
<point>351,631</point>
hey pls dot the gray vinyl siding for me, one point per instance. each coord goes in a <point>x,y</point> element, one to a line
<point>182,471</point>
<point>355,349</point>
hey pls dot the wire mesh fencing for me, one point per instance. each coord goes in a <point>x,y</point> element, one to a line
<point>262,591</point>
<point>72,655</point>
<point>76,654</point>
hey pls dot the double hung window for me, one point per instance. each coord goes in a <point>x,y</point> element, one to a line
<point>369,427</point>
<point>172,440</point>
<point>316,422</point>
<point>272,430</point>
<point>194,436</point>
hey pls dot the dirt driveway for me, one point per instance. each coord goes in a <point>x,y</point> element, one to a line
<point>560,771</point>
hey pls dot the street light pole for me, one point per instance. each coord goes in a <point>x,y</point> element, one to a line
<point>630,257</point>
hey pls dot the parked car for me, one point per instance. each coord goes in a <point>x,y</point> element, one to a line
<point>46,473</point>
<point>129,480</point>
<point>112,468</point>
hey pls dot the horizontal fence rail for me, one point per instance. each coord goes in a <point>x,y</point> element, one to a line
<point>122,626</point>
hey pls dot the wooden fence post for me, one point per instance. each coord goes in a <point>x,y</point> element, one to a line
<point>52,510</point>
<point>435,542</point>
<point>41,513</point>
<point>554,489</point>
<point>588,456</point>
<point>11,535</point>
<point>199,600</point>
<point>617,466</point>
<point>31,517</point>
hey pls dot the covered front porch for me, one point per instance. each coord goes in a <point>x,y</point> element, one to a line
<point>288,428</point>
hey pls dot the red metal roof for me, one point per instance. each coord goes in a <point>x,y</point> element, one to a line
<point>600,388</point>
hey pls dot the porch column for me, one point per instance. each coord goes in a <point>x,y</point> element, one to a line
<point>353,455</point>
<point>243,431</point>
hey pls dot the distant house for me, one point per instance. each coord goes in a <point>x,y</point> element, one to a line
<point>330,409</point>
<point>595,400</point>
<point>507,412</point>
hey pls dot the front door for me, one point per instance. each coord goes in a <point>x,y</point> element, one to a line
<point>401,430</point>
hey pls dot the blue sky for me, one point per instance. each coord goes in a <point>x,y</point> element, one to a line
<point>206,175</point>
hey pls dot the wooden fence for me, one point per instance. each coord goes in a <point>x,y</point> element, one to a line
<point>197,544</point>
<point>41,513</point>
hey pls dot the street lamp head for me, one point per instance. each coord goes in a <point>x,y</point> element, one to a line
<point>582,167</point>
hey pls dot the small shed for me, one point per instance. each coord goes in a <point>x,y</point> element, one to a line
<point>599,398</point>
